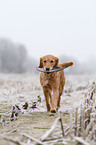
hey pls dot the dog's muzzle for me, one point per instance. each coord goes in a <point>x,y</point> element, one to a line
<point>47,70</point>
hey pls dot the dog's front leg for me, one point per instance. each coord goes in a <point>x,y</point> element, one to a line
<point>55,100</point>
<point>46,94</point>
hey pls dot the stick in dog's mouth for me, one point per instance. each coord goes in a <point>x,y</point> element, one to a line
<point>55,69</point>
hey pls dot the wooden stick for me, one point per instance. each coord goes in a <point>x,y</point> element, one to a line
<point>66,129</point>
<point>41,127</point>
<point>76,114</point>
<point>62,126</point>
<point>42,138</point>
<point>80,129</point>
<point>88,128</point>
<point>16,141</point>
<point>11,131</point>
<point>34,139</point>
<point>79,139</point>
<point>91,95</point>
<point>56,138</point>
<point>61,123</point>
<point>92,133</point>
<point>67,133</point>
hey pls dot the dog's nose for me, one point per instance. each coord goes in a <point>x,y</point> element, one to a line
<point>47,69</point>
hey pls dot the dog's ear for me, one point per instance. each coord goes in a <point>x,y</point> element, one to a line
<point>56,61</point>
<point>40,64</point>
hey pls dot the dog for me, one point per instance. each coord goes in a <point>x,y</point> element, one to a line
<point>52,83</point>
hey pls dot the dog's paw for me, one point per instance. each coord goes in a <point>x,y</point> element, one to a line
<point>53,111</point>
<point>50,114</point>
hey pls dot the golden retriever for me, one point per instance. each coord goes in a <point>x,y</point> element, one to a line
<point>52,83</point>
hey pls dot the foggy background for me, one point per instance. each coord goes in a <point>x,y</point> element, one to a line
<point>31,29</point>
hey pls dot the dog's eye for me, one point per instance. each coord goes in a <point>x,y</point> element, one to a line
<point>52,61</point>
<point>44,61</point>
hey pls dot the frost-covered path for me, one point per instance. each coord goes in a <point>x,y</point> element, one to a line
<point>18,89</point>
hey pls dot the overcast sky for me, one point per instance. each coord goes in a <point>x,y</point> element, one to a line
<point>58,27</point>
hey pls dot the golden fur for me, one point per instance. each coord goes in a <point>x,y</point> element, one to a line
<point>52,83</point>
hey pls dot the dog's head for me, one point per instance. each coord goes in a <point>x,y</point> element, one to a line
<point>48,62</point>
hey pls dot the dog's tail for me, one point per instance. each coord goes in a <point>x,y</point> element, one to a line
<point>66,64</point>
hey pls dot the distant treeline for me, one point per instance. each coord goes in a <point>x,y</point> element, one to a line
<point>15,59</point>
